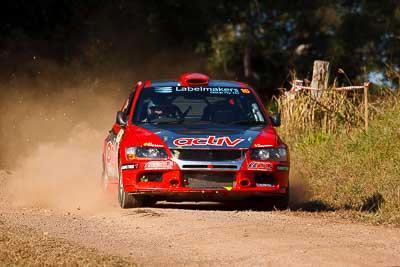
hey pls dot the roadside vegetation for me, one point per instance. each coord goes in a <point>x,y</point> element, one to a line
<point>340,166</point>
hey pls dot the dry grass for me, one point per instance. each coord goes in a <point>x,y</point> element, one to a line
<point>334,112</point>
<point>341,166</point>
<point>356,171</point>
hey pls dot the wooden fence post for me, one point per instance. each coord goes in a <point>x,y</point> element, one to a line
<point>366,85</point>
<point>320,77</point>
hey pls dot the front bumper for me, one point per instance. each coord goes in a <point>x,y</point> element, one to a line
<point>208,181</point>
<point>208,195</point>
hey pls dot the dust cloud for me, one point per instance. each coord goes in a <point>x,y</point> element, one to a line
<point>58,100</point>
<point>51,141</point>
<point>64,175</point>
<point>53,122</point>
<point>299,188</point>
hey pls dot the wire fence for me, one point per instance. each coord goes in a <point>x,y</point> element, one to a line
<point>331,110</point>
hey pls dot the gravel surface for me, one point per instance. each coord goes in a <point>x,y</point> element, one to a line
<point>23,246</point>
<point>189,234</point>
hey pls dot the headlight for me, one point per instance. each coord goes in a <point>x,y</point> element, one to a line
<point>145,153</point>
<point>272,154</point>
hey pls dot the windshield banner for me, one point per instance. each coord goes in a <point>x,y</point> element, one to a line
<point>211,90</point>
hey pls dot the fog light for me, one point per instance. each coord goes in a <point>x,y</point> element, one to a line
<point>151,177</point>
<point>174,182</point>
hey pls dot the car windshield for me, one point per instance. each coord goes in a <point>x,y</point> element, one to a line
<point>178,104</point>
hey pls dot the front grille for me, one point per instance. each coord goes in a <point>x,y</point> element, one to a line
<point>212,166</point>
<point>210,180</point>
<point>208,155</point>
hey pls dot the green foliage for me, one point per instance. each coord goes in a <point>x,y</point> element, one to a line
<point>282,35</point>
<point>258,41</point>
<point>313,139</point>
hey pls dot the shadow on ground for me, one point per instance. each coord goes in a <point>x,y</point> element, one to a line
<point>312,206</point>
<point>370,204</point>
<point>309,206</point>
<point>220,206</point>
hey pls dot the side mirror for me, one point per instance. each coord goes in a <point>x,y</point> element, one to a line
<point>276,119</point>
<point>121,119</point>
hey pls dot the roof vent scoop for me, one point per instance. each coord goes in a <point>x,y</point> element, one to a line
<point>194,79</point>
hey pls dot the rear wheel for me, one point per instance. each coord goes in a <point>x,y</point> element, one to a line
<point>125,199</point>
<point>104,178</point>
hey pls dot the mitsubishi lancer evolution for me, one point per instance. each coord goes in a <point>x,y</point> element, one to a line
<point>195,139</point>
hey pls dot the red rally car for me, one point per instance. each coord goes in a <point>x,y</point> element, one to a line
<point>195,139</point>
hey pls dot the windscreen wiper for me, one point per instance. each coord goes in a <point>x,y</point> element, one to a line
<point>248,122</point>
<point>168,122</point>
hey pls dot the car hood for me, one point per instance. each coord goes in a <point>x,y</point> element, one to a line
<point>205,135</point>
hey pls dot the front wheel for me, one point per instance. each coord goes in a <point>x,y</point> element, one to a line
<point>125,199</point>
<point>282,203</point>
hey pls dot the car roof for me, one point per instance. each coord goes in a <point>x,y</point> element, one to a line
<point>222,83</point>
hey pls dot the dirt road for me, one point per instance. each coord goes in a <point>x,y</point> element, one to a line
<point>202,235</point>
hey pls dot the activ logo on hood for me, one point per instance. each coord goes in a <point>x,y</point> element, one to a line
<point>207,141</point>
<point>204,135</point>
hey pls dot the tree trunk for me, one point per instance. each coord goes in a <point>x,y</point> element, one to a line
<point>320,77</point>
<point>247,61</point>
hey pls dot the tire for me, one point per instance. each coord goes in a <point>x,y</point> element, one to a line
<point>125,199</point>
<point>149,202</point>
<point>282,203</point>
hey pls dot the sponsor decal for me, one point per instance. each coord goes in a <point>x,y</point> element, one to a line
<point>211,90</point>
<point>150,144</point>
<point>282,168</point>
<point>207,141</point>
<point>163,90</point>
<point>263,166</point>
<point>265,185</point>
<point>130,166</point>
<point>110,150</point>
<point>262,145</point>
<point>159,165</point>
